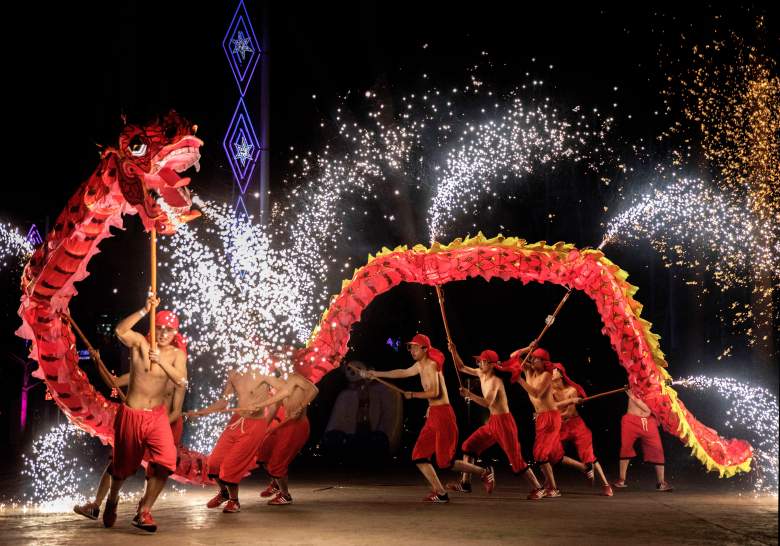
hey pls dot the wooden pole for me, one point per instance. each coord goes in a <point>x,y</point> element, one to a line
<point>595,396</point>
<point>153,290</point>
<point>105,375</point>
<point>382,381</point>
<point>547,325</point>
<point>440,294</point>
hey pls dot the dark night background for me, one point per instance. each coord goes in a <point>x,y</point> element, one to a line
<point>71,69</point>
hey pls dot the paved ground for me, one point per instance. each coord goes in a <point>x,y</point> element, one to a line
<point>348,510</point>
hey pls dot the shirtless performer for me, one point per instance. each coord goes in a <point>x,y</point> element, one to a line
<point>234,455</point>
<point>439,435</point>
<point>284,441</point>
<point>500,428</point>
<point>567,395</point>
<point>91,510</point>
<point>142,422</point>
<point>538,384</point>
<point>639,423</point>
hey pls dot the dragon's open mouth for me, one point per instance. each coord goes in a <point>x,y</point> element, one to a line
<point>163,181</point>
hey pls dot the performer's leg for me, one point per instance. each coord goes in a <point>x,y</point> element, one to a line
<point>573,463</point>
<point>103,487</point>
<point>623,469</point>
<point>549,477</point>
<point>430,474</point>
<point>281,484</point>
<point>154,486</point>
<point>600,473</point>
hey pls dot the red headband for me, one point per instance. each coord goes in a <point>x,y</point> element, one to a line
<point>170,320</point>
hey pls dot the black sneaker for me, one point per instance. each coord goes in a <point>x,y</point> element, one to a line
<point>89,510</point>
<point>435,498</point>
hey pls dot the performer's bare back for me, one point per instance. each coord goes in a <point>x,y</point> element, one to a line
<point>430,376</point>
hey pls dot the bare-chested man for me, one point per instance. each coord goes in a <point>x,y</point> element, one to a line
<point>285,440</point>
<point>567,395</point>
<point>547,445</point>
<point>142,423</point>
<point>235,452</point>
<point>500,428</point>
<point>439,435</point>
<point>639,423</point>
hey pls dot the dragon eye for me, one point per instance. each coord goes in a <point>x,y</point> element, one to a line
<point>137,146</point>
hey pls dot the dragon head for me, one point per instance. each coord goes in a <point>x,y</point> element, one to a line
<point>147,165</point>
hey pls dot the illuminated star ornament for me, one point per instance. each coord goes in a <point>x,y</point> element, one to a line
<point>242,45</point>
<point>243,150</point>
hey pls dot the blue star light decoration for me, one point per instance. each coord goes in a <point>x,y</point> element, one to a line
<point>242,147</point>
<point>241,48</point>
<point>243,150</point>
<point>242,45</point>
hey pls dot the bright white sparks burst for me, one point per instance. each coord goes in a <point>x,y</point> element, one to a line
<point>696,226</point>
<point>752,410</point>
<point>14,247</point>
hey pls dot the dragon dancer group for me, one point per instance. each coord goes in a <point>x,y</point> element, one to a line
<point>269,423</point>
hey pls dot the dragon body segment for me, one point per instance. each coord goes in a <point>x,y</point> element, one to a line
<point>637,348</point>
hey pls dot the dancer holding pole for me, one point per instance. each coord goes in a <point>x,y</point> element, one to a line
<point>439,436</point>
<point>500,428</point>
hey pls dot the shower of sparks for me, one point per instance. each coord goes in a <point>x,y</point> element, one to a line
<point>729,91</point>
<point>14,247</point>
<point>699,228</point>
<point>509,145</point>
<point>754,411</point>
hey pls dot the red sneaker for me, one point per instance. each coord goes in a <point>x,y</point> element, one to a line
<point>232,507</point>
<point>552,493</point>
<point>217,500</point>
<point>145,522</point>
<point>270,491</point>
<point>281,499</point>
<point>606,490</point>
<point>435,498</point>
<point>536,494</point>
<point>664,487</point>
<point>489,479</point>
<point>620,484</point>
<point>460,487</point>
<point>109,514</point>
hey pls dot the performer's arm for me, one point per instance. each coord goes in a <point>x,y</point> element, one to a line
<point>567,402</point>
<point>536,392</point>
<point>121,381</point>
<point>459,361</point>
<point>124,330</point>
<point>176,372</point>
<point>218,405</point>
<point>178,402</point>
<point>280,395</point>
<point>485,402</point>
<point>411,371</point>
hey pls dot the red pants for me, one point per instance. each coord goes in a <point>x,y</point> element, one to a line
<point>575,430</point>
<point>633,428</point>
<point>234,455</point>
<point>502,429</point>
<point>139,431</point>
<point>438,436</point>
<point>282,445</point>
<point>547,446</point>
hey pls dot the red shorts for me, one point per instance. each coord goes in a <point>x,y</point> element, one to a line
<point>575,430</point>
<point>177,428</point>
<point>502,429</point>
<point>138,432</point>
<point>633,428</point>
<point>547,446</point>
<point>438,436</point>
<point>234,455</point>
<point>282,445</point>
